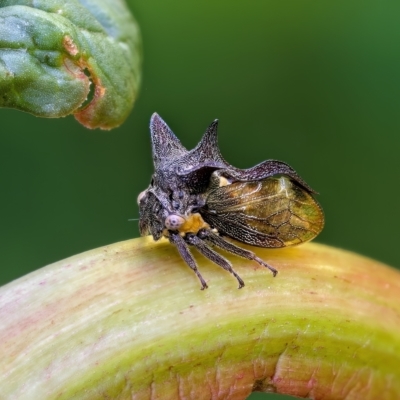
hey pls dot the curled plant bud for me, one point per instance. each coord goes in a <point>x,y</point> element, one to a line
<point>61,57</point>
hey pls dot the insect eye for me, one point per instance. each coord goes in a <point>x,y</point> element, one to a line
<point>174,222</point>
<point>141,196</point>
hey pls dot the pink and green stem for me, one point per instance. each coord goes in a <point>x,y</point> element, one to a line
<point>129,321</point>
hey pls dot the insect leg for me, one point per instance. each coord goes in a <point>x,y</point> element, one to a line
<point>213,256</point>
<point>231,248</point>
<point>178,241</point>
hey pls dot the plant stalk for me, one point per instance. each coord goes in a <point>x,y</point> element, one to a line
<point>129,321</point>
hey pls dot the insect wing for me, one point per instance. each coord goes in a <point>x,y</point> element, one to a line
<point>274,212</point>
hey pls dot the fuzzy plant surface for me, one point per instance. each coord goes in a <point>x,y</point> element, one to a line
<point>61,57</point>
<point>129,321</point>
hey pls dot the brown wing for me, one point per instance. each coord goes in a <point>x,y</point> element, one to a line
<point>274,212</point>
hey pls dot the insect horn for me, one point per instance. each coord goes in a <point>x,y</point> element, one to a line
<point>164,143</point>
<point>208,149</point>
<point>198,164</point>
<point>205,156</point>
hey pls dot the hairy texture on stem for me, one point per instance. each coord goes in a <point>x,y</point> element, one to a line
<point>129,321</point>
<point>61,57</point>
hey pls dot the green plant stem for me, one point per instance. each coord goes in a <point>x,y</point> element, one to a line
<point>129,321</point>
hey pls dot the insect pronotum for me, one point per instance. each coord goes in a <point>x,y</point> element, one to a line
<point>197,199</point>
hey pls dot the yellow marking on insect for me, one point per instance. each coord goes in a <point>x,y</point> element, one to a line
<point>223,181</point>
<point>193,223</point>
<point>190,224</point>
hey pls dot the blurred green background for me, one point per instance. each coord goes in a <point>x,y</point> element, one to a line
<point>312,83</point>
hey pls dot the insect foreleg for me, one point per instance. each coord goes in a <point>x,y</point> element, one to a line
<point>182,247</point>
<point>212,255</point>
<point>218,241</point>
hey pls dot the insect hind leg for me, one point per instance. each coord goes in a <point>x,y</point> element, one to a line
<point>212,255</point>
<point>218,241</point>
